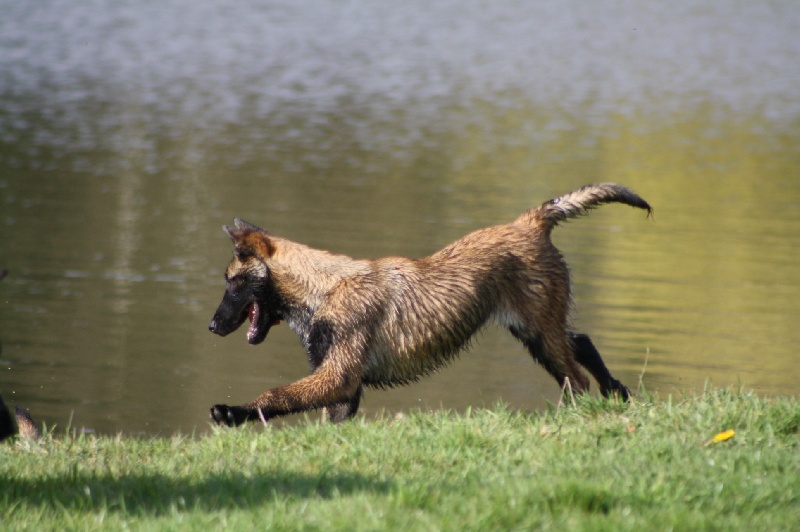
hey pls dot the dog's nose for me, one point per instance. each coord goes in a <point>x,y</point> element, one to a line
<point>213,325</point>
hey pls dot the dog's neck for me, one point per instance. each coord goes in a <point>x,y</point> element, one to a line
<point>315,272</point>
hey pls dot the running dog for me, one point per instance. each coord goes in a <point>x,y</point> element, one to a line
<point>388,322</point>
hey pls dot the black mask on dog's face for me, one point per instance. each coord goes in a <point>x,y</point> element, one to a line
<point>239,304</point>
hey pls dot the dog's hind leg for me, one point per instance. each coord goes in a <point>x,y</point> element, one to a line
<point>557,357</point>
<point>587,355</point>
<point>343,411</point>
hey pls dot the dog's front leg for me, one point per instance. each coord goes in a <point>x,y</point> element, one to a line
<point>331,384</point>
<point>343,411</point>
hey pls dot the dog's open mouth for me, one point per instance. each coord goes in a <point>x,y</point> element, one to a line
<point>254,315</point>
<point>260,323</point>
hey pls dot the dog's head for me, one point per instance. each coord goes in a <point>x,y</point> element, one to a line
<point>250,293</point>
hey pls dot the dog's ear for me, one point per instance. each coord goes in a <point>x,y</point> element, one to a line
<point>247,226</point>
<point>240,229</point>
<point>234,234</point>
<point>249,240</point>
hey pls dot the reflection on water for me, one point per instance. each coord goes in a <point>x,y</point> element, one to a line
<point>128,135</point>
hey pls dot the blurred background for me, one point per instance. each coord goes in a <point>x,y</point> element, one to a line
<point>131,131</point>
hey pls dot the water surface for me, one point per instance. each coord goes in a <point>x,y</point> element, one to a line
<point>130,134</point>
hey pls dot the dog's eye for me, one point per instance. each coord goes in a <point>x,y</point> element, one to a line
<point>235,283</point>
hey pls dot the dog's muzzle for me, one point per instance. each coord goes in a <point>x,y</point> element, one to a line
<point>216,327</point>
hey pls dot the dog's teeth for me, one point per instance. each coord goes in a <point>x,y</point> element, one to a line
<point>253,316</point>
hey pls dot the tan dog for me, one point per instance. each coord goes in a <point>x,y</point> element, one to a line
<point>388,322</point>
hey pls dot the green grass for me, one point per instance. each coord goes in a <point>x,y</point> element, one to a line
<point>598,465</point>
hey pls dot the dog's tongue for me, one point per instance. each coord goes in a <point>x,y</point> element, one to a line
<point>253,317</point>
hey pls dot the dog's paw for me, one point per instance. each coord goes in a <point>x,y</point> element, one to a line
<point>229,415</point>
<point>618,391</point>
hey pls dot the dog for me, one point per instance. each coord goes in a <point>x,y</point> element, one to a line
<point>387,322</point>
<point>21,424</point>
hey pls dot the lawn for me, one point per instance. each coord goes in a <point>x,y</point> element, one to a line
<point>592,464</point>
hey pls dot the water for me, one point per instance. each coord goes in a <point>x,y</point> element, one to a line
<point>129,133</point>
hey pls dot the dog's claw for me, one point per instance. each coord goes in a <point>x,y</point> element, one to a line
<point>229,415</point>
<point>617,390</point>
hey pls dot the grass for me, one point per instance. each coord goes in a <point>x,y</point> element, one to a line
<point>597,465</point>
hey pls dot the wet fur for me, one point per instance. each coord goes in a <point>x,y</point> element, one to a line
<point>390,321</point>
<point>19,424</point>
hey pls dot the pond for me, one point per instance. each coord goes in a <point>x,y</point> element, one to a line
<point>130,134</point>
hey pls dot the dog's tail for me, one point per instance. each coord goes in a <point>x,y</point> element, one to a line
<point>580,202</point>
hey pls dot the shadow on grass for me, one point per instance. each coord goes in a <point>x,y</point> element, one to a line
<point>157,494</point>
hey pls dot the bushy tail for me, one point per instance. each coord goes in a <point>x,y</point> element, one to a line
<point>580,202</point>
